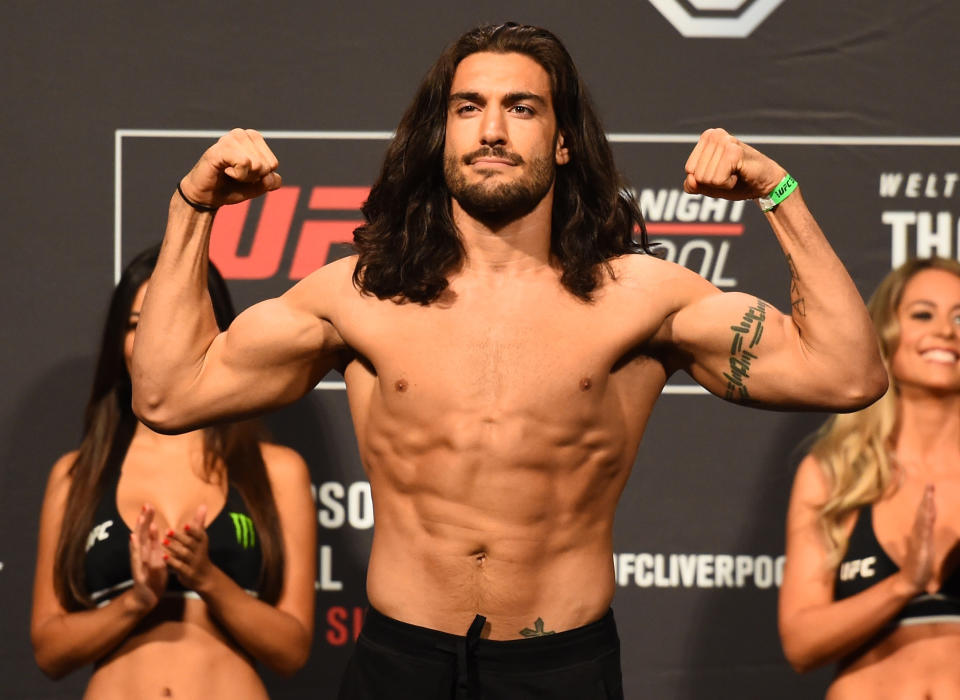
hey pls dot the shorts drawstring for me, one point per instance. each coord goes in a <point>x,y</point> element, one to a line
<point>468,686</point>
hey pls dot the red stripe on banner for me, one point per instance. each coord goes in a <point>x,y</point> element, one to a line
<point>349,198</point>
<point>696,229</point>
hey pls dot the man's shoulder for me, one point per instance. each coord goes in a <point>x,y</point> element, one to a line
<point>341,269</point>
<point>651,272</point>
<point>333,277</point>
<point>636,263</point>
<point>652,290</point>
<point>326,293</point>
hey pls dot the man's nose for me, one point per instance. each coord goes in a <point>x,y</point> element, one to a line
<point>493,128</point>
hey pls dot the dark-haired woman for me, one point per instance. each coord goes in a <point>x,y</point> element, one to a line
<point>172,563</point>
<point>871,580</point>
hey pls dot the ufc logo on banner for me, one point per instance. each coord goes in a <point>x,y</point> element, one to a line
<point>274,227</point>
<point>730,19</point>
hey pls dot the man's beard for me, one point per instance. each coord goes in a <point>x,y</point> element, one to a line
<point>497,204</point>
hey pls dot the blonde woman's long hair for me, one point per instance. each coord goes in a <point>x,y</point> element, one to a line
<point>854,450</point>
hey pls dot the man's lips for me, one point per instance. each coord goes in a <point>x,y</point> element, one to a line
<point>486,157</point>
<point>492,161</point>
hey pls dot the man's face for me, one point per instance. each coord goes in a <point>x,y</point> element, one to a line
<point>502,145</point>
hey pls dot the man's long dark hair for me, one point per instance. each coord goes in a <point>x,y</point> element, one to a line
<point>108,428</point>
<point>410,243</point>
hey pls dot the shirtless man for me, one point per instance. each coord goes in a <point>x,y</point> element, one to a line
<point>502,350</point>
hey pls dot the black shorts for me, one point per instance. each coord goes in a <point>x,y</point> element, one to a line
<point>396,661</point>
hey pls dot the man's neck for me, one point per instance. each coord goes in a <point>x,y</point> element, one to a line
<point>516,245</point>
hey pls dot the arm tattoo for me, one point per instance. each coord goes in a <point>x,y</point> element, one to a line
<point>796,301</point>
<point>750,330</point>
<point>537,630</point>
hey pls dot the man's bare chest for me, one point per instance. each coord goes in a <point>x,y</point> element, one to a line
<point>509,354</point>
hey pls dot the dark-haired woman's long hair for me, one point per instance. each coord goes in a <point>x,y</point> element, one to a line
<point>108,428</point>
<point>410,243</point>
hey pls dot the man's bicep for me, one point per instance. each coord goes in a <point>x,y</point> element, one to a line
<point>738,346</point>
<point>276,350</point>
<point>272,354</point>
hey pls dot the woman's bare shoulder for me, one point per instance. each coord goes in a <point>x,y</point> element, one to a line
<point>61,468</point>
<point>284,464</point>
<point>811,483</point>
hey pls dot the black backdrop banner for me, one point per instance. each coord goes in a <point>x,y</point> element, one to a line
<point>106,105</point>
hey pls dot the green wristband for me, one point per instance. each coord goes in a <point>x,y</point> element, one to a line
<point>778,194</point>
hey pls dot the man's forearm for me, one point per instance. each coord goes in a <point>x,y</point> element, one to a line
<point>826,307</point>
<point>177,322</point>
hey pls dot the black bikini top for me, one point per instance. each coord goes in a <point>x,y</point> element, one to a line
<point>866,563</point>
<point>232,542</point>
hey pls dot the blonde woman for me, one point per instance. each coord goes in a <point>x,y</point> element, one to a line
<point>872,531</point>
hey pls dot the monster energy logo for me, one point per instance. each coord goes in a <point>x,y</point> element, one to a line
<point>243,525</point>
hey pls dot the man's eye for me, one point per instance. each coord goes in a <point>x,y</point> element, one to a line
<point>464,109</point>
<point>521,109</point>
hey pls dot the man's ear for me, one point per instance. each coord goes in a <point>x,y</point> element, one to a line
<point>562,155</point>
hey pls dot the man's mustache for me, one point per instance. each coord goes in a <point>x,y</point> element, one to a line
<point>495,152</point>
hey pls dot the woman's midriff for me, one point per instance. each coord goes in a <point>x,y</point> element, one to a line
<point>911,662</point>
<point>177,652</point>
